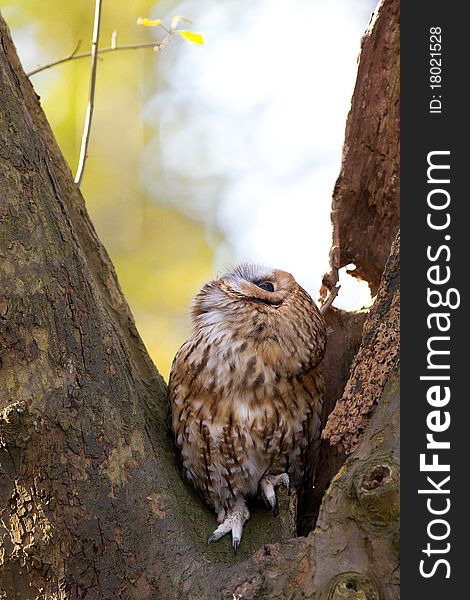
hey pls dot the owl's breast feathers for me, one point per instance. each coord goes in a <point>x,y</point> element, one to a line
<point>247,400</point>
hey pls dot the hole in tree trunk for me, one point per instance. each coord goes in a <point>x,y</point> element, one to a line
<point>374,478</point>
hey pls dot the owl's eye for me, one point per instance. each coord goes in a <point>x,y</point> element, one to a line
<point>267,286</point>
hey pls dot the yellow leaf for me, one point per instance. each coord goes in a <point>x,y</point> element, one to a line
<point>176,19</point>
<point>190,37</point>
<point>148,22</point>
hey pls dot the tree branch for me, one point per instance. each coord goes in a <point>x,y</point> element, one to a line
<point>330,288</point>
<point>91,101</point>
<point>73,56</point>
<point>94,53</point>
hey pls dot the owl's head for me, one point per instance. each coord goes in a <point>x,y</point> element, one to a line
<point>247,285</point>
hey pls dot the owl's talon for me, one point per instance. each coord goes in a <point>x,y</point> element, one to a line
<point>285,481</point>
<point>267,487</point>
<point>271,501</point>
<point>234,521</point>
<point>235,544</point>
<point>214,537</point>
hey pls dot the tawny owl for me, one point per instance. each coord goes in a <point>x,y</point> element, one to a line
<point>246,391</point>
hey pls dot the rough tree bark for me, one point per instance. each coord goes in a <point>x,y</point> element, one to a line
<point>366,196</point>
<point>92,503</point>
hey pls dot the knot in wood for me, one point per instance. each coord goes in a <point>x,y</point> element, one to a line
<point>376,488</point>
<point>375,476</point>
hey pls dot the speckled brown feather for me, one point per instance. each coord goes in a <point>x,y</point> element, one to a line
<point>246,389</point>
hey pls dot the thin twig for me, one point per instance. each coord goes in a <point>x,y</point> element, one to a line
<point>154,45</point>
<point>329,300</point>
<point>95,52</point>
<point>76,49</point>
<point>73,56</point>
<point>114,39</point>
<point>330,280</point>
<point>91,101</point>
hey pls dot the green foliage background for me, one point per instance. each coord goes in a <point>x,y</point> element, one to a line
<point>161,255</point>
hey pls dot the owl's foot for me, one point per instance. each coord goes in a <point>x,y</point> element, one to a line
<point>267,488</point>
<point>234,520</point>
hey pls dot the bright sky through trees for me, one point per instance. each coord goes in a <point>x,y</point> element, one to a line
<point>203,156</point>
<point>255,120</point>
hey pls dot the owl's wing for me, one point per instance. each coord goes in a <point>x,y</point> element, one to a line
<point>307,390</point>
<point>189,401</point>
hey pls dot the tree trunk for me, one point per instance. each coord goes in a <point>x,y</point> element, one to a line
<point>366,196</point>
<point>92,502</point>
